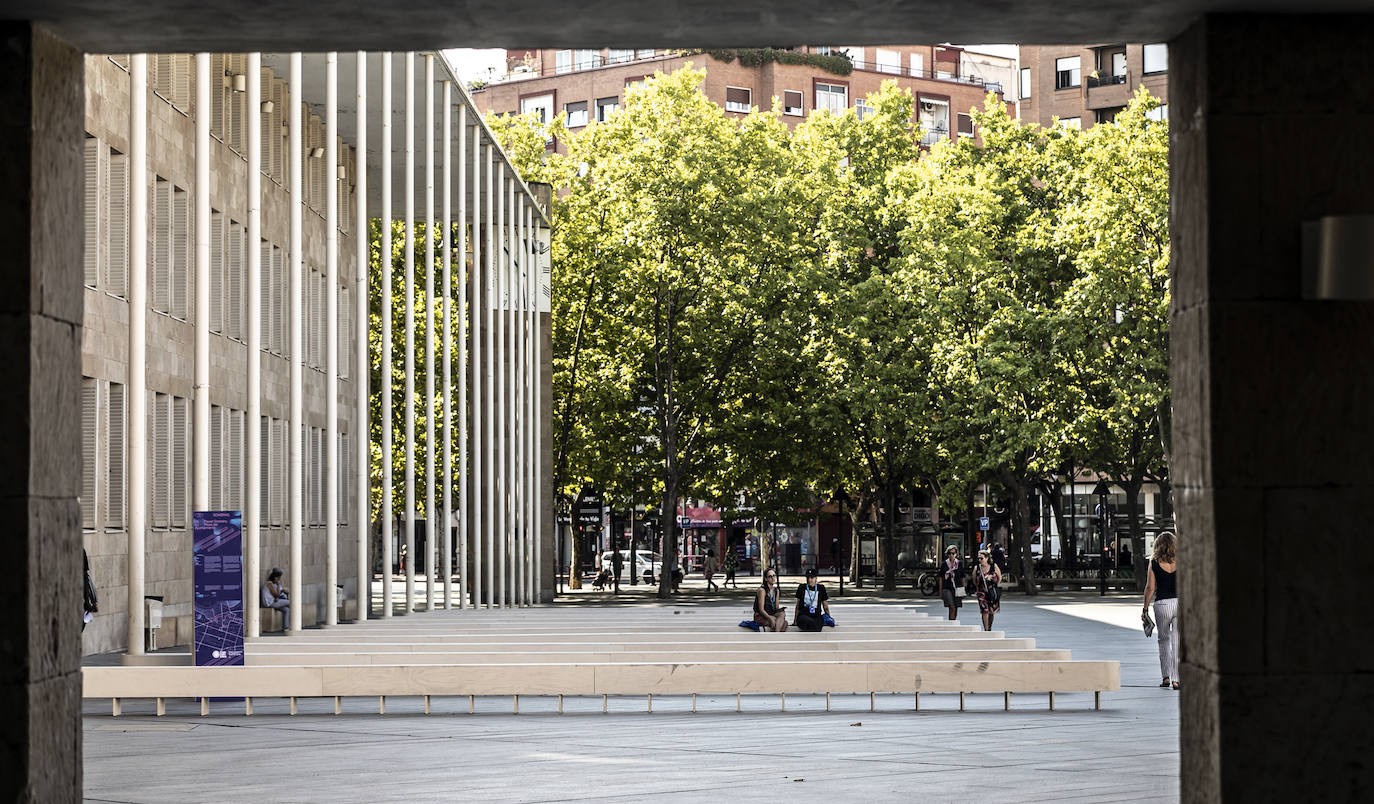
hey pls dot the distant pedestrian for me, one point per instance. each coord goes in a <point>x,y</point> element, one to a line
<point>402,559</point>
<point>986,577</point>
<point>952,578</point>
<point>999,557</point>
<point>708,569</point>
<point>617,567</point>
<point>1162,587</point>
<point>767,612</point>
<point>731,567</point>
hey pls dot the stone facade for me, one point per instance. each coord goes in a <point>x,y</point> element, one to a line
<point>171,334</point>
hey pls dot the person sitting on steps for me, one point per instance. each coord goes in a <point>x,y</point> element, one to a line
<point>767,612</point>
<point>274,597</point>
<point>812,605</point>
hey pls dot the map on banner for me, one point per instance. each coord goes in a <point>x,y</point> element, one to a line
<point>218,559</point>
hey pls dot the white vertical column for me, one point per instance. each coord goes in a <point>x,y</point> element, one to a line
<point>361,449</point>
<point>528,257</point>
<point>331,346</point>
<point>384,395</point>
<point>136,381</point>
<point>518,391</point>
<point>410,330</point>
<point>502,409</point>
<point>475,335</point>
<point>297,414</point>
<point>489,379</point>
<point>463,510</point>
<point>537,264</point>
<point>512,414</point>
<point>252,491</point>
<point>446,221</point>
<point>432,523</point>
<point>200,450</point>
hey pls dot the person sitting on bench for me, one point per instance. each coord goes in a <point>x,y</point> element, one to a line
<point>274,597</point>
<point>812,605</point>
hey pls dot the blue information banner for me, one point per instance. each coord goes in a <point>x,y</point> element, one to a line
<point>217,548</point>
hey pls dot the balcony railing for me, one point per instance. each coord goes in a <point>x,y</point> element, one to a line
<point>933,75</point>
<point>1105,80</point>
<point>934,135</point>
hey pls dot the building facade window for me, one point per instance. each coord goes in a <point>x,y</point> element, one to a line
<point>644,53</point>
<point>889,61</point>
<point>1025,86</point>
<point>586,59</point>
<point>1159,113</point>
<point>1071,122</point>
<point>605,107</point>
<point>1156,58</point>
<point>90,452</point>
<point>861,109</point>
<point>918,65</point>
<point>541,106</point>
<point>792,102</point>
<point>577,113</point>
<point>738,99</point>
<point>965,125</point>
<point>114,458</point>
<point>856,54</point>
<point>934,119</point>
<point>620,55</point>
<point>833,98</point>
<point>563,62</point>
<point>1068,72</point>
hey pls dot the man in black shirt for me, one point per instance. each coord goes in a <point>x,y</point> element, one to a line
<point>812,608</point>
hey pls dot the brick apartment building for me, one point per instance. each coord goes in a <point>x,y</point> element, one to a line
<point>588,85</point>
<point>1084,85</point>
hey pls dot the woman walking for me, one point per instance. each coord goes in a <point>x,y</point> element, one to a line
<point>952,582</point>
<point>986,576</point>
<point>1162,587</point>
<point>767,612</point>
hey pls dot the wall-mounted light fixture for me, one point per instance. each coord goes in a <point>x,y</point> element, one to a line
<point>317,152</point>
<point>240,83</point>
<point>266,107</point>
<point>1338,258</point>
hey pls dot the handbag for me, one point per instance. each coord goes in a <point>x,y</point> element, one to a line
<point>960,591</point>
<point>1147,623</point>
<point>992,594</point>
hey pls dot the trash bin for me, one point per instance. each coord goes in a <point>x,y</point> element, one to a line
<point>152,618</point>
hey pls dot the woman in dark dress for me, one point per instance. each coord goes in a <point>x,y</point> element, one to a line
<point>986,576</point>
<point>951,578</point>
<point>767,612</point>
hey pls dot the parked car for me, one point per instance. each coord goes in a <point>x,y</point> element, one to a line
<point>644,560</point>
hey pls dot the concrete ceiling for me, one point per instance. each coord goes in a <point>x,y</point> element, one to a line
<point>120,26</point>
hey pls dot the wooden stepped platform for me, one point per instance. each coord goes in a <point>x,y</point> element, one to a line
<point>617,652</point>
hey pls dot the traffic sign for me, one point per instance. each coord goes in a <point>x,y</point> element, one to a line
<point>984,523</point>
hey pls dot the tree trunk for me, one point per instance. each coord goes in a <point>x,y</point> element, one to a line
<point>1019,488</point>
<point>890,537</point>
<point>668,519</point>
<point>1132,489</point>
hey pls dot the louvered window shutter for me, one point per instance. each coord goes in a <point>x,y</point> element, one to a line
<point>217,93</point>
<point>117,226</point>
<point>217,271</point>
<point>182,250</point>
<point>266,123</point>
<point>234,465</point>
<point>114,458</point>
<point>264,470</point>
<point>276,473</point>
<point>161,479</point>
<point>233,296</point>
<point>90,454</point>
<point>162,236</point>
<point>345,332</point>
<point>182,72</point>
<point>216,458</point>
<point>161,65</point>
<point>345,474</point>
<point>234,135</point>
<point>179,461</point>
<point>91,254</point>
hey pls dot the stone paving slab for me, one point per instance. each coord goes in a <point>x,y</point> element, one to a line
<point>1127,752</point>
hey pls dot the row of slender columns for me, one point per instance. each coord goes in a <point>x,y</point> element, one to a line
<point>498,548</point>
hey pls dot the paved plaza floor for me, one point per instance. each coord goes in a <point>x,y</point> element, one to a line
<point>1126,752</point>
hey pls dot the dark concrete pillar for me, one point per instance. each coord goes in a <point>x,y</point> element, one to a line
<point>1272,120</point>
<point>41,114</point>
